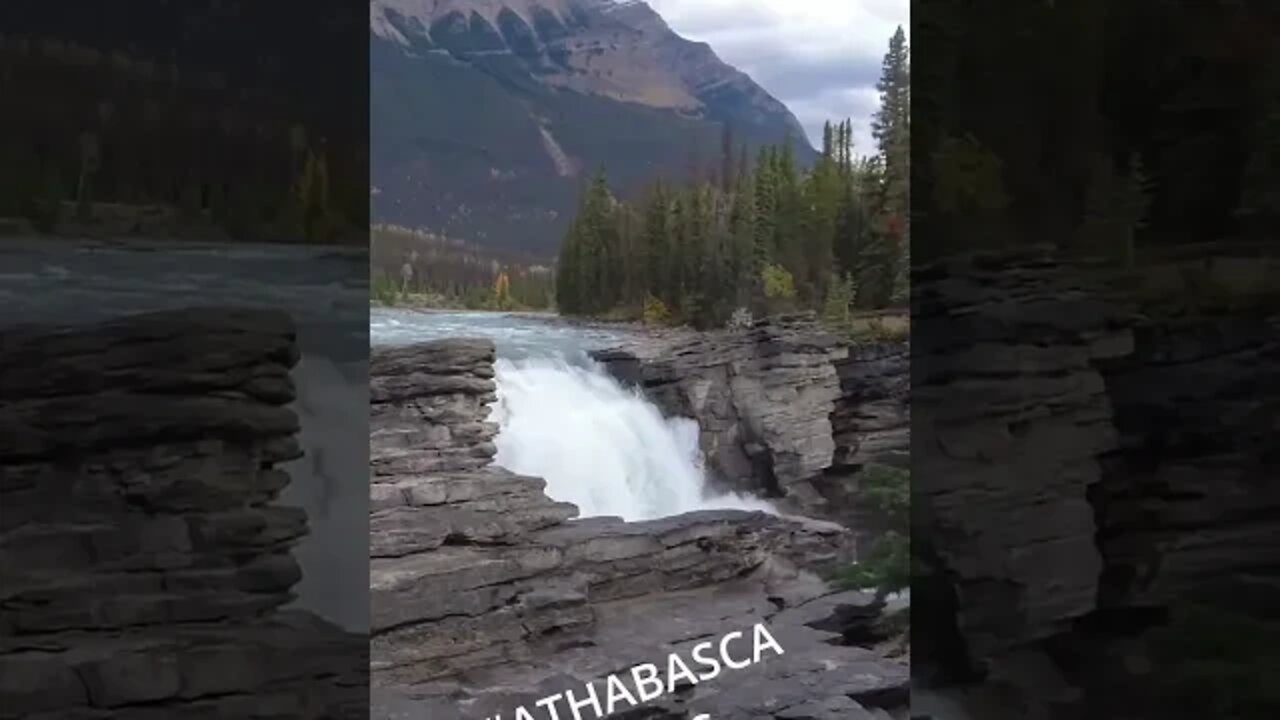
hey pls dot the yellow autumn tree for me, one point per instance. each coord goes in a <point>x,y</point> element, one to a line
<point>502,292</point>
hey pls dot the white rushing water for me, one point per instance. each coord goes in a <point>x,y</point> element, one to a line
<point>600,446</point>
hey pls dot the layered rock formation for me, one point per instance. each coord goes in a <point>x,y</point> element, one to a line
<point>1188,505</point>
<point>143,561</point>
<point>1004,456</point>
<point>785,408</point>
<point>871,424</point>
<point>1082,468</point>
<point>487,595</point>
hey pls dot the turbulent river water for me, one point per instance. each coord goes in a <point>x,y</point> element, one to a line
<point>562,418</point>
<point>326,290</point>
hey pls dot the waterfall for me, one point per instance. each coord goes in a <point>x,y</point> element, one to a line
<point>598,445</point>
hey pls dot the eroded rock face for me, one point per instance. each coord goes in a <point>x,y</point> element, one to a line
<point>1188,505</point>
<point>143,560</point>
<point>872,418</point>
<point>871,425</point>
<point>1075,459</point>
<point>1002,462</point>
<point>487,594</point>
<point>428,410</point>
<point>763,399</point>
<point>784,407</point>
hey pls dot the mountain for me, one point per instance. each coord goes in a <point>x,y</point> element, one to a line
<point>487,115</point>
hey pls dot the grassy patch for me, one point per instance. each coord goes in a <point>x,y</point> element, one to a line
<point>880,328</point>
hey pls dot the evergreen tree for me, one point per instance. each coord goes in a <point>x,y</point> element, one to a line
<point>835,310</point>
<point>656,241</point>
<point>761,236</point>
<point>745,262</point>
<point>766,206</point>
<point>726,159</point>
<point>891,128</point>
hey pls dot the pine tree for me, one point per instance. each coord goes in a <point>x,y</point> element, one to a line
<point>789,221</point>
<point>744,262</point>
<point>835,310</point>
<point>573,271</point>
<point>766,197</point>
<point>726,159</point>
<point>763,237</point>
<point>656,241</point>
<point>694,235</point>
<point>892,129</point>
<point>595,281</point>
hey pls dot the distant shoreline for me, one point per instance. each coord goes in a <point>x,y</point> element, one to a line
<point>159,244</point>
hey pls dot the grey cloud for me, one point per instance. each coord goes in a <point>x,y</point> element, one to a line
<point>818,78</point>
<point>805,78</point>
<point>813,111</point>
<point>815,88</point>
<point>820,89</point>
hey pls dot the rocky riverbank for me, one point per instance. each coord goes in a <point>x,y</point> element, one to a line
<point>487,595</point>
<point>144,561</point>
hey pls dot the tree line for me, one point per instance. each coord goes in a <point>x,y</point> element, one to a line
<point>758,234</point>
<point>91,126</point>
<point>413,266</point>
<point>1155,127</point>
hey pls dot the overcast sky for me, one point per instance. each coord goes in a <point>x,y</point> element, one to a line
<point>820,57</point>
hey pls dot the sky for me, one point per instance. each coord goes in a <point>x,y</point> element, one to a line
<point>819,57</point>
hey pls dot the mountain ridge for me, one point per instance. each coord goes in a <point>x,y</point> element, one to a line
<point>576,84</point>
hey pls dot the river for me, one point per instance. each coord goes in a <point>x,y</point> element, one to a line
<point>600,446</point>
<point>58,282</point>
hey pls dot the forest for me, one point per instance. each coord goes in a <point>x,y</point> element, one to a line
<point>416,267</point>
<point>126,129</point>
<point>754,235</point>
<point>745,234</point>
<point>1156,128</point>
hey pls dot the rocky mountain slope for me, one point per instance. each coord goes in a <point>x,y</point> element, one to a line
<point>486,114</point>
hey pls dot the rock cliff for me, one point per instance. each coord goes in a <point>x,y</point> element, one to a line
<point>785,408</point>
<point>1018,444</point>
<point>143,561</point>
<point>1086,462</point>
<point>487,595</point>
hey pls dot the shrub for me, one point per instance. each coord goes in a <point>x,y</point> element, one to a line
<point>384,290</point>
<point>655,312</point>
<point>885,568</point>
<point>887,564</point>
<point>779,286</point>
